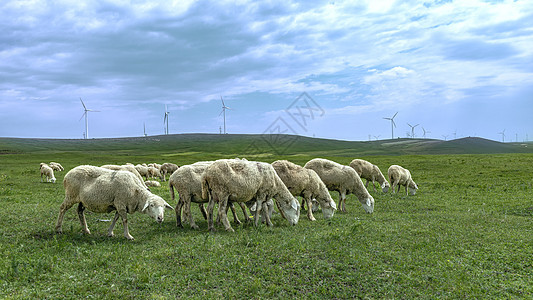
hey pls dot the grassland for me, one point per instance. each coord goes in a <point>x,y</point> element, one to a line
<point>467,233</point>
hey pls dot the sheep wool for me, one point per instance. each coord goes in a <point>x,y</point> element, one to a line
<point>371,173</point>
<point>307,184</point>
<point>102,190</point>
<point>238,180</point>
<point>342,179</point>
<point>399,176</point>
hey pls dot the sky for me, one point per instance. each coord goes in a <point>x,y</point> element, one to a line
<point>325,69</point>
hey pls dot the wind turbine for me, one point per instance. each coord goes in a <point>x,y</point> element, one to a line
<point>392,124</point>
<point>445,137</point>
<point>144,127</point>
<point>224,107</point>
<point>425,131</point>
<point>86,114</point>
<point>412,130</point>
<point>165,119</point>
<point>503,135</point>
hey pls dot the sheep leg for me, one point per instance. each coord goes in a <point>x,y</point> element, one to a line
<point>245,213</point>
<point>210,208</point>
<point>266,214</point>
<point>202,210</point>
<point>259,208</point>
<point>309,207</point>
<point>124,215</point>
<point>178,208</point>
<point>343,201</point>
<point>66,205</point>
<point>222,207</point>
<point>110,230</point>
<point>81,215</point>
<point>235,217</point>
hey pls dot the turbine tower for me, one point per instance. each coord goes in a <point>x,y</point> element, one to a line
<point>503,135</point>
<point>412,130</point>
<point>86,114</point>
<point>224,107</point>
<point>165,119</point>
<point>392,124</point>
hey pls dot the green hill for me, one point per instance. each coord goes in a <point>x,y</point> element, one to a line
<point>257,144</point>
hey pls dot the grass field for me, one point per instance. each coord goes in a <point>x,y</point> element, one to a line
<point>467,233</point>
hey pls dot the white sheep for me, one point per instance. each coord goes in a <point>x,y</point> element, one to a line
<point>152,183</point>
<point>48,172</point>
<point>143,170</point>
<point>307,184</point>
<point>168,168</point>
<point>56,166</point>
<point>153,172</point>
<point>238,180</point>
<point>102,190</point>
<point>342,179</point>
<point>187,182</point>
<point>126,167</point>
<point>400,176</point>
<point>371,173</point>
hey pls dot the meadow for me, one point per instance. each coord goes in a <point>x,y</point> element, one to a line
<point>467,233</point>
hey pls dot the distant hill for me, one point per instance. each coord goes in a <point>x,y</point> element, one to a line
<point>247,144</point>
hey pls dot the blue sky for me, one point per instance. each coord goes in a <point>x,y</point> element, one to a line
<point>456,68</point>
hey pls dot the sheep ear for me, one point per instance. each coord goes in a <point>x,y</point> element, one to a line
<point>332,204</point>
<point>145,206</point>
<point>294,204</point>
<point>168,206</point>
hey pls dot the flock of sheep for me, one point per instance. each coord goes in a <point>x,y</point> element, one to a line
<point>255,186</point>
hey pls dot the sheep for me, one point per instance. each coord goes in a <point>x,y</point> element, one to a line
<point>152,183</point>
<point>238,180</point>
<point>56,166</point>
<point>187,182</point>
<point>168,168</point>
<point>126,168</point>
<point>342,179</point>
<point>154,172</point>
<point>307,184</point>
<point>48,172</point>
<point>399,176</point>
<point>143,170</point>
<point>370,172</point>
<point>102,191</point>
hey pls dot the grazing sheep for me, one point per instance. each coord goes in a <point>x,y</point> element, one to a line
<point>307,184</point>
<point>143,170</point>
<point>238,180</point>
<point>152,183</point>
<point>102,191</point>
<point>56,166</point>
<point>168,168</point>
<point>129,168</point>
<point>187,182</point>
<point>400,176</point>
<point>342,179</point>
<point>154,172</point>
<point>370,172</point>
<point>48,172</point>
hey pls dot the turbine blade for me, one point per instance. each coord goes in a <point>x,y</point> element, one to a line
<point>83,115</point>
<point>221,112</point>
<point>84,107</point>
<point>394,115</point>
<point>223,105</point>
<point>393,123</point>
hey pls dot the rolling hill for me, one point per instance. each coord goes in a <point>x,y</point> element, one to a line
<point>254,144</point>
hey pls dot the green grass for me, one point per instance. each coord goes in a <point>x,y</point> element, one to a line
<point>467,233</point>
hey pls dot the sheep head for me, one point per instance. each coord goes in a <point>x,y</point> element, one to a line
<point>385,186</point>
<point>155,208</point>
<point>412,187</point>
<point>328,206</point>
<point>368,204</point>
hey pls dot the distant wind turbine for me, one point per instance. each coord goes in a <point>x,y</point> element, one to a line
<point>455,134</point>
<point>144,127</point>
<point>425,131</point>
<point>503,135</point>
<point>445,137</point>
<point>224,107</point>
<point>377,137</point>
<point>86,114</point>
<point>412,129</point>
<point>392,124</point>
<point>165,119</point>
